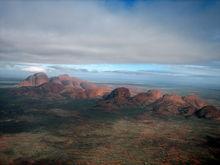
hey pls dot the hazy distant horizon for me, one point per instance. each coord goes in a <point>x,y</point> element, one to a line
<point>209,92</point>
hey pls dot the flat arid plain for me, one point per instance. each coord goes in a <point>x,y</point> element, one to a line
<point>42,124</point>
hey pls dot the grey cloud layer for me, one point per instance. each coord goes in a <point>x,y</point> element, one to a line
<point>88,32</point>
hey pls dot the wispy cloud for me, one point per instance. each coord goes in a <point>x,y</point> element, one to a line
<point>34,69</point>
<point>127,69</point>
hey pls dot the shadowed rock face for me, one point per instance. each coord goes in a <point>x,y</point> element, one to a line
<point>75,93</point>
<point>119,97</point>
<point>50,87</point>
<point>119,94</point>
<point>34,80</point>
<point>208,112</point>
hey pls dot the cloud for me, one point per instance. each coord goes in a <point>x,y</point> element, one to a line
<point>94,32</point>
<point>119,69</point>
<point>34,69</point>
<point>154,74</point>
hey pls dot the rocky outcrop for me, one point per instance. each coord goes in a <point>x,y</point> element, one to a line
<point>167,104</point>
<point>121,98</point>
<point>119,95</point>
<point>50,87</point>
<point>208,112</point>
<point>171,104</point>
<point>194,101</point>
<point>34,80</point>
<point>40,85</point>
<point>75,93</point>
<point>175,104</point>
<point>97,91</point>
<point>146,98</point>
<point>63,86</point>
<point>118,98</point>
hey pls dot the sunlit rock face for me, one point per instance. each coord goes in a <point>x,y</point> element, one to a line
<point>170,104</point>
<point>99,91</point>
<point>147,98</point>
<point>64,77</point>
<point>195,101</point>
<point>35,80</point>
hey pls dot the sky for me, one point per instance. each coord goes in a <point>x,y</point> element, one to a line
<point>162,39</point>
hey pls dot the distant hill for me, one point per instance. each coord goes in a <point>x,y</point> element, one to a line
<point>64,86</point>
<point>162,104</point>
<point>39,85</point>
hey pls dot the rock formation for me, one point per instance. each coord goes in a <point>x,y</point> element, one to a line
<point>195,101</point>
<point>40,85</point>
<point>63,86</point>
<point>208,112</point>
<point>119,97</point>
<point>146,98</point>
<point>167,104</point>
<point>175,104</point>
<point>34,80</point>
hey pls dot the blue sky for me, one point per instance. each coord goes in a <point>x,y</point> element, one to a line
<point>158,75</point>
<point>153,38</point>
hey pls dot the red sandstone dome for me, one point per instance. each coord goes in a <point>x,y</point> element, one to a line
<point>62,86</point>
<point>195,101</point>
<point>162,104</point>
<point>175,104</point>
<point>35,80</point>
<point>119,95</point>
<point>39,85</point>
